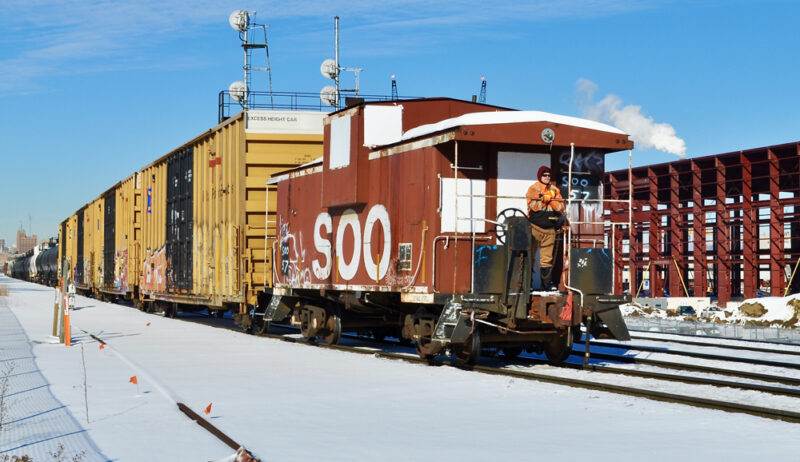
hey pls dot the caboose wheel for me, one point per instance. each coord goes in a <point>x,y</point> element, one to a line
<point>423,347</point>
<point>557,350</point>
<point>512,352</point>
<point>468,352</point>
<point>333,327</point>
<point>500,230</point>
<point>304,330</point>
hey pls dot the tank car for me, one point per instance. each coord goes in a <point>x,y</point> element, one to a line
<point>411,225</point>
<point>47,266</point>
<point>21,267</point>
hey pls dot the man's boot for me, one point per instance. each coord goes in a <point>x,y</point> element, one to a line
<point>547,280</point>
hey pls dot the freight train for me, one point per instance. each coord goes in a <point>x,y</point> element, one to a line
<point>398,218</point>
<point>187,230</point>
<point>39,265</point>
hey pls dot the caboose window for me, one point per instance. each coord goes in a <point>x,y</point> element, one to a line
<point>514,177</point>
<point>382,125</point>
<point>471,205</point>
<point>340,143</point>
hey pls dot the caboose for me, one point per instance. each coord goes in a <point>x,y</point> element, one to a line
<point>413,224</point>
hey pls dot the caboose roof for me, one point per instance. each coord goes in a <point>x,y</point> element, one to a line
<point>507,117</point>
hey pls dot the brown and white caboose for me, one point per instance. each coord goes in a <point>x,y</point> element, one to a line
<point>412,225</point>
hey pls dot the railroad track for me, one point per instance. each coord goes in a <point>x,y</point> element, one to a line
<point>743,341</point>
<point>241,452</point>
<point>550,374</point>
<point>720,345</point>
<point>790,381</point>
<point>695,354</point>
<point>771,413</point>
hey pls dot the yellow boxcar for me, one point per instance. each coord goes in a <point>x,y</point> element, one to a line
<point>67,249</point>
<point>121,238</point>
<point>205,212</point>
<point>93,228</point>
<point>82,265</point>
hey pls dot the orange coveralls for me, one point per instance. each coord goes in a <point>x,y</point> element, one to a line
<point>544,198</point>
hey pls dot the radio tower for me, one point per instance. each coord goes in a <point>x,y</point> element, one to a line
<point>394,89</point>
<point>482,98</point>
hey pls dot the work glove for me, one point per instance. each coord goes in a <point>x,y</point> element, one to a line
<point>547,197</point>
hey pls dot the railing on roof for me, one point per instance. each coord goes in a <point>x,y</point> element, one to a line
<point>286,101</point>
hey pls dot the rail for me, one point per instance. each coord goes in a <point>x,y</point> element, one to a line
<point>287,101</point>
<point>644,392</point>
<point>687,397</point>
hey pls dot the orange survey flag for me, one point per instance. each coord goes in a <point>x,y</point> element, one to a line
<point>102,346</point>
<point>208,409</point>
<point>133,380</point>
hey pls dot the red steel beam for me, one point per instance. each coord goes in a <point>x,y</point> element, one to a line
<point>677,265</point>
<point>767,163</point>
<point>618,232</point>
<point>749,231</point>
<point>722,265</point>
<point>699,232</point>
<point>656,288</point>
<point>776,251</point>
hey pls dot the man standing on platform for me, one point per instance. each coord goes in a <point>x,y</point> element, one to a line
<point>545,212</point>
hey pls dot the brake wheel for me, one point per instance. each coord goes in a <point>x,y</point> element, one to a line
<point>500,230</point>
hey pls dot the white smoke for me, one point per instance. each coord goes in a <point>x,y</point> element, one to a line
<point>643,131</point>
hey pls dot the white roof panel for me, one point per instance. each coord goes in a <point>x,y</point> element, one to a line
<point>507,117</point>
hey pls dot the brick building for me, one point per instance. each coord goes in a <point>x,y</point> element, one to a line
<point>25,242</point>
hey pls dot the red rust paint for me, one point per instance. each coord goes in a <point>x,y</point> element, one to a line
<point>343,228</point>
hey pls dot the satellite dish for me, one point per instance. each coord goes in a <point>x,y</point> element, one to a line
<point>328,68</point>
<point>238,91</point>
<point>328,95</point>
<point>239,20</point>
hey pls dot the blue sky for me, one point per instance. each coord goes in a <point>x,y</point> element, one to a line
<point>92,90</point>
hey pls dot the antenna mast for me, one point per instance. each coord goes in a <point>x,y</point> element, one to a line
<point>240,20</point>
<point>330,68</point>
<point>336,56</point>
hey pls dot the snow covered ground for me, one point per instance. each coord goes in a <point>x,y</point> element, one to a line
<point>287,401</point>
<point>763,311</point>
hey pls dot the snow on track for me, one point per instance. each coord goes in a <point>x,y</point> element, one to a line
<point>293,402</point>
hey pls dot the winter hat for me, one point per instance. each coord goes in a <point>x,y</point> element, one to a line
<point>542,170</point>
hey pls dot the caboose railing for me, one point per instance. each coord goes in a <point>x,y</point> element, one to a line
<point>611,224</point>
<point>570,200</point>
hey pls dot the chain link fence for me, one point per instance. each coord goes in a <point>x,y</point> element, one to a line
<point>706,329</point>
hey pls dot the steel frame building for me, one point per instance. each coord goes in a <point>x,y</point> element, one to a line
<point>725,226</point>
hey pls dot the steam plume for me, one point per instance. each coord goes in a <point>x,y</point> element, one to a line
<point>644,132</point>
